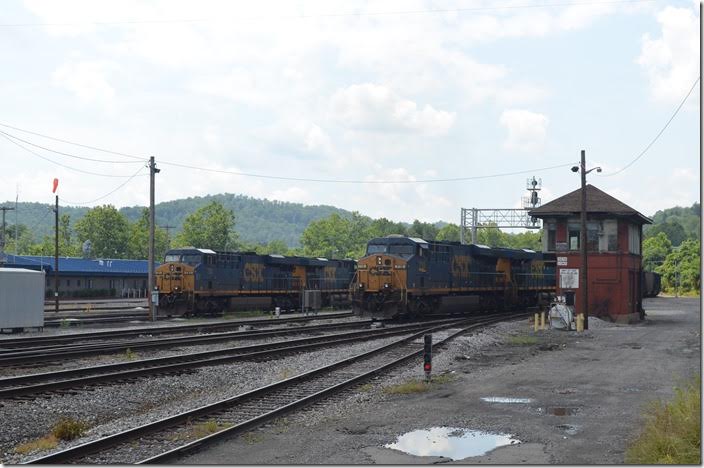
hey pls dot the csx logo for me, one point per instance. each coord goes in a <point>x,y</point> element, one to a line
<point>254,272</point>
<point>460,266</point>
<point>329,272</point>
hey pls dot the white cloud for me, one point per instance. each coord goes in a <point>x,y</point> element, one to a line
<point>671,61</point>
<point>87,80</point>
<point>377,108</point>
<point>526,130</point>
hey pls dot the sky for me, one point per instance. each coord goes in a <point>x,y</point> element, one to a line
<point>380,102</point>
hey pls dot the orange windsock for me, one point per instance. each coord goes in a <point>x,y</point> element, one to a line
<point>56,185</point>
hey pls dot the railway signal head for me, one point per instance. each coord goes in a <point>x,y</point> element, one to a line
<point>427,355</point>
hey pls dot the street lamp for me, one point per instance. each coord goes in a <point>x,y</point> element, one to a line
<point>583,237</point>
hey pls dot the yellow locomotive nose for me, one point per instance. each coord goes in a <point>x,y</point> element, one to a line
<point>381,273</point>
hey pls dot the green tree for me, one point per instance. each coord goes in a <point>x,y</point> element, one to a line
<point>655,250</point>
<point>108,231</point>
<point>681,270</point>
<point>449,232</point>
<point>492,236</point>
<point>425,231</point>
<point>674,231</point>
<point>211,227</point>
<point>336,237</point>
<point>139,239</point>
<point>382,227</point>
<point>278,247</point>
<point>68,247</point>
<point>24,239</point>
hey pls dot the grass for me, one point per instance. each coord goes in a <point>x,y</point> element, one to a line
<point>418,385</point>
<point>65,323</point>
<point>522,340</point>
<point>672,431</point>
<point>69,429</point>
<point>366,388</point>
<point>45,443</point>
<point>200,430</point>
<point>252,438</point>
<point>246,314</point>
<point>130,355</point>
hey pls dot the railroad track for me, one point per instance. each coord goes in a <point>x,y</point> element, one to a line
<point>55,354</point>
<point>32,386</point>
<point>15,343</point>
<point>170,437</point>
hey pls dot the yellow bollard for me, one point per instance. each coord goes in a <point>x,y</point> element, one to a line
<point>535,323</point>
<point>542,320</point>
<point>580,322</point>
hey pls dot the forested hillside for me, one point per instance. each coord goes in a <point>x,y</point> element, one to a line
<point>256,221</point>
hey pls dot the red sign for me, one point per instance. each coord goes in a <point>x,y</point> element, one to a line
<point>56,185</point>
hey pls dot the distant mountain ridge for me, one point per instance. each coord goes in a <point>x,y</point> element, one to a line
<point>256,220</point>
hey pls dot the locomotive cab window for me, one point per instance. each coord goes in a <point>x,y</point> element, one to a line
<point>376,248</point>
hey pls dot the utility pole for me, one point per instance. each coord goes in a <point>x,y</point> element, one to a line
<point>56,256</point>
<point>152,172</point>
<point>2,234</point>
<point>583,243</point>
<point>168,234</point>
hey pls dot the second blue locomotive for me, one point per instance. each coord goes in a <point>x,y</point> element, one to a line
<point>405,276</point>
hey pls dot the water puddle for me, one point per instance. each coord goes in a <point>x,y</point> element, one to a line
<point>506,400</point>
<point>450,442</point>
<point>570,429</point>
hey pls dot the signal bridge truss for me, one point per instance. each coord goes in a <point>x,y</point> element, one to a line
<point>474,218</point>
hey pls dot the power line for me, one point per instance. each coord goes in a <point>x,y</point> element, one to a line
<point>656,136</point>
<point>12,138</point>
<point>58,163</point>
<point>140,158</point>
<point>107,194</point>
<point>352,181</point>
<point>333,15</point>
<point>69,154</point>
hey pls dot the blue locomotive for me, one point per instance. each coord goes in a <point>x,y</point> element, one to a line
<point>406,276</point>
<point>195,281</point>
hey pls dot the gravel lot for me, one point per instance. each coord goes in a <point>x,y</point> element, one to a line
<point>114,408</point>
<point>586,396</point>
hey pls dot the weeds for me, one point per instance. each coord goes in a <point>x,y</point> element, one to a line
<point>45,443</point>
<point>252,438</point>
<point>672,432</point>
<point>522,340</point>
<point>130,355</point>
<point>200,430</point>
<point>65,323</point>
<point>366,388</point>
<point>69,429</point>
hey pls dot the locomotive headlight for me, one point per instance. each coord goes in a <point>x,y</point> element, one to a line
<point>386,285</point>
<point>360,285</point>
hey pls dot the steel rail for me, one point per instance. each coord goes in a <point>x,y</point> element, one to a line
<point>13,387</point>
<point>56,354</point>
<point>220,325</point>
<point>81,453</point>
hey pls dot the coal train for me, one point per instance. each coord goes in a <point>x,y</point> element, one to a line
<point>650,284</point>
<point>194,281</point>
<point>406,276</point>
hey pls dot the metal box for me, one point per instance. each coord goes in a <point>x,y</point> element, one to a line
<point>21,299</point>
<point>312,299</point>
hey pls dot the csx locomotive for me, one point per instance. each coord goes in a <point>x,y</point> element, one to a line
<point>195,281</point>
<point>406,276</point>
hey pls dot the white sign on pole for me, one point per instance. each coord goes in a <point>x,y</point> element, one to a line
<point>561,261</point>
<point>569,278</point>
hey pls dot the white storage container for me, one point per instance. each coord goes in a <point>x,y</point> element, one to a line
<point>21,299</point>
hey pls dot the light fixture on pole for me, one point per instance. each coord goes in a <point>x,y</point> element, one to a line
<point>583,238</point>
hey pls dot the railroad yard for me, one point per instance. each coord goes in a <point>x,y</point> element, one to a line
<point>559,397</point>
